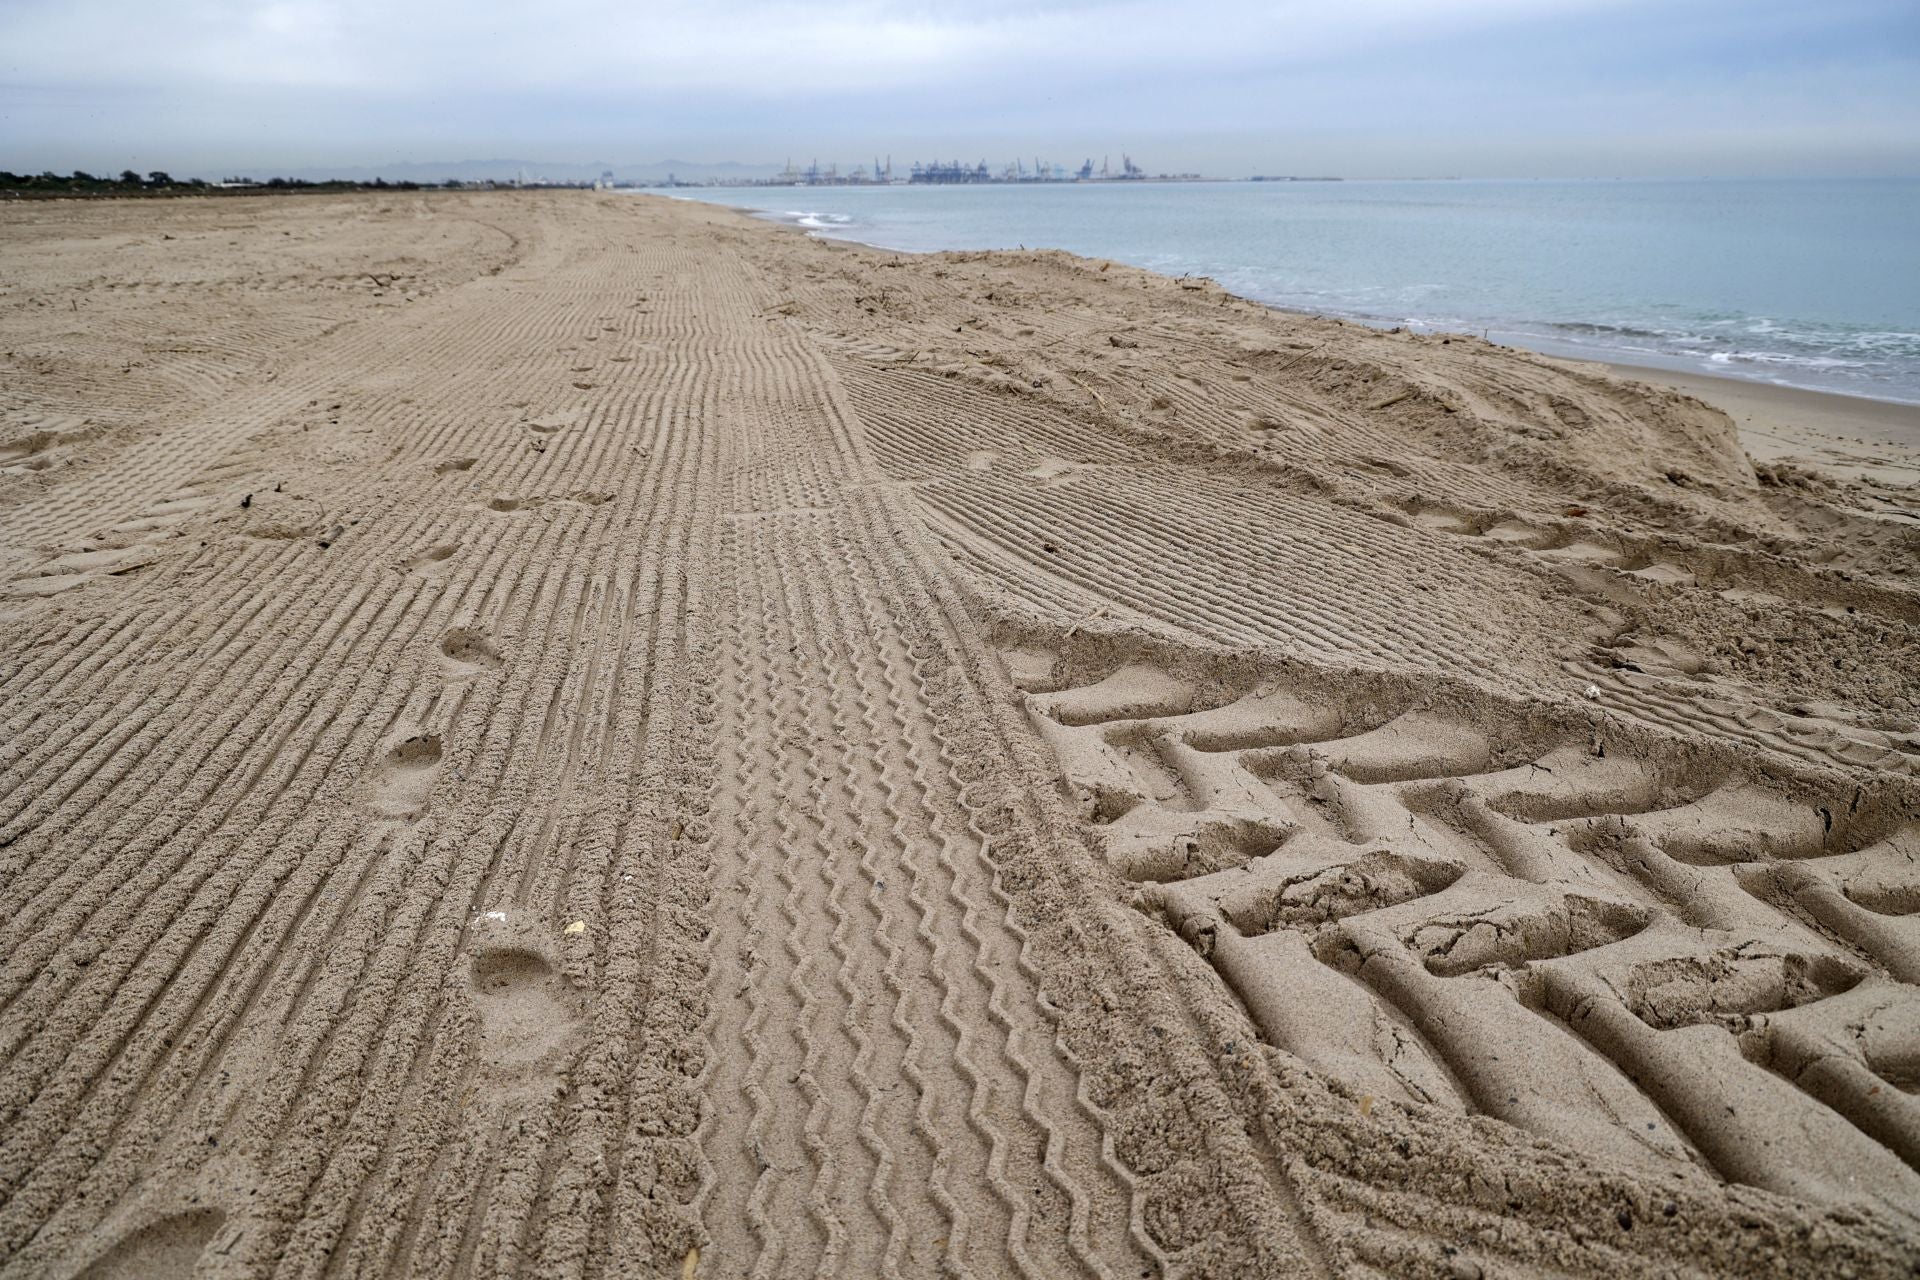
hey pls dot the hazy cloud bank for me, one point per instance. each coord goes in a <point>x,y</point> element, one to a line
<point>1548,87</point>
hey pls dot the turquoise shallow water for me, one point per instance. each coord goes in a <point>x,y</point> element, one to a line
<point>1811,283</point>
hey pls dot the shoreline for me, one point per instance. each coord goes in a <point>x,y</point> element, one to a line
<point>1659,373</point>
<point>1871,442</point>
<point>1777,423</point>
<point>1871,420</point>
<point>1858,438</point>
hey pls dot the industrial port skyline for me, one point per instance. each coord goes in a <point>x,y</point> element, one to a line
<point>955,172</point>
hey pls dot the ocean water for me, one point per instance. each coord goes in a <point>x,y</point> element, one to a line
<point>1811,283</point>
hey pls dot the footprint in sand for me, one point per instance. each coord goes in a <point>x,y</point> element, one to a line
<point>528,1020</point>
<point>982,459</point>
<point>582,498</point>
<point>34,451</point>
<point>432,556</point>
<point>41,586</point>
<point>454,464</point>
<point>400,784</point>
<point>1054,472</point>
<point>163,1250</point>
<point>269,530</point>
<point>23,452</point>
<point>467,651</point>
<point>1031,670</point>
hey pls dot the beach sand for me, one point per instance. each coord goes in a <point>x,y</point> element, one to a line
<point>556,734</point>
<point>1873,442</point>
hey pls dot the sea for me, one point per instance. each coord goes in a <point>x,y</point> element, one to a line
<point>1810,283</point>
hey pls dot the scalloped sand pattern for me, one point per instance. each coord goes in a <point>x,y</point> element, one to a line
<point>561,734</point>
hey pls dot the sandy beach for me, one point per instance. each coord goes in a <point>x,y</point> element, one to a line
<point>1875,443</point>
<point>568,734</point>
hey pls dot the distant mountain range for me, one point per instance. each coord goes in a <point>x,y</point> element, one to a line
<point>507,170</point>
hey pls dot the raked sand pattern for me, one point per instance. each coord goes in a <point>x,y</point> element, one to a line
<point>561,735</point>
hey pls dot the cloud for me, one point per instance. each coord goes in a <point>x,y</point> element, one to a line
<point>758,47</point>
<point>1220,84</point>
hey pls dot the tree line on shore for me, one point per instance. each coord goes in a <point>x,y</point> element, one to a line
<point>159,182</point>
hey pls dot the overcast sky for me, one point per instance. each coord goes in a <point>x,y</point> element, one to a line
<point>1352,87</point>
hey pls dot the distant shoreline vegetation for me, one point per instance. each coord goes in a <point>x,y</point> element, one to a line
<point>83,185</point>
<point>80,183</point>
